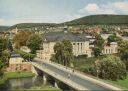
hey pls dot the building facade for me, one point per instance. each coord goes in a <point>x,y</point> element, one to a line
<point>79,43</point>
<point>110,49</point>
<point>16,63</point>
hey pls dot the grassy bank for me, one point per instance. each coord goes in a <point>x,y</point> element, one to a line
<point>121,83</point>
<point>45,88</point>
<point>18,74</point>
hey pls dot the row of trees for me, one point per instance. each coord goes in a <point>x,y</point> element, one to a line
<point>29,39</point>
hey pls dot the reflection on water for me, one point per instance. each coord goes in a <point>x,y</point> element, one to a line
<point>26,83</point>
<point>22,83</point>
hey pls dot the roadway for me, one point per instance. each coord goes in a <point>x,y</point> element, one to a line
<point>74,77</point>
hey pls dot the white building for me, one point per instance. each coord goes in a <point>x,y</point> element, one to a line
<point>79,42</point>
<point>111,49</point>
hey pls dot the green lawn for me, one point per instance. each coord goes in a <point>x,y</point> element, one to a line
<point>82,63</point>
<point>121,83</point>
<point>17,74</point>
<point>45,88</point>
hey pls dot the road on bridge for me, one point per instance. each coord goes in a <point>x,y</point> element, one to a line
<point>74,76</point>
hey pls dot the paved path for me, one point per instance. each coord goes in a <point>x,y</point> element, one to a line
<point>74,79</point>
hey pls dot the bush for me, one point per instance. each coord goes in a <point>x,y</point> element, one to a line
<point>111,68</point>
<point>82,56</point>
<point>26,56</point>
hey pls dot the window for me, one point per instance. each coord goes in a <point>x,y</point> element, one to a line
<point>73,43</point>
<point>81,46</point>
<point>106,51</point>
<point>109,51</point>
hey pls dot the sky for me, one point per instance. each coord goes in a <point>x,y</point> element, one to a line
<point>56,11</point>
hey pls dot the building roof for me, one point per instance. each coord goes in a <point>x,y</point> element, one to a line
<point>59,36</point>
<point>14,55</point>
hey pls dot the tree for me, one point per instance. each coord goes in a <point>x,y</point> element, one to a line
<point>21,38</point>
<point>97,51</point>
<point>123,52</point>
<point>1,67</point>
<point>111,68</point>
<point>63,53</point>
<point>5,57</point>
<point>99,42</point>
<point>34,42</point>
<point>2,45</point>
<point>112,38</point>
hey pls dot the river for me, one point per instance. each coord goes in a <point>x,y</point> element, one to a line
<point>22,83</point>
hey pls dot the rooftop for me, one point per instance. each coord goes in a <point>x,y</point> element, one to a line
<point>14,54</point>
<point>59,36</point>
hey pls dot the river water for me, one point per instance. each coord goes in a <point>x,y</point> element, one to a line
<point>22,83</point>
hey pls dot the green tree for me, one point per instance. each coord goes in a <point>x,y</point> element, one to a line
<point>97,51</point>
<point>5,57</point>
<point>111,68</point>
<point>1,68</point>
<point>123,52</point>
<point>99,44</point>
<point>63,53</point>
<point>2,45</point>
<point>34,42</point>
<point>112,38</point>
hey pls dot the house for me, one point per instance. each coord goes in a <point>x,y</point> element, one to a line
<point>110,49</point>
<point>16,63</point>
<point>79,43</point>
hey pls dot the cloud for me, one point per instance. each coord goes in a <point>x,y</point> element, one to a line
<point>109,8</point>
<point>122,6</point>
<point>92,7</point>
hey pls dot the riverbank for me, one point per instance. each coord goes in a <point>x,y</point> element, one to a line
<point>45,88</point>
<point>18,74</point>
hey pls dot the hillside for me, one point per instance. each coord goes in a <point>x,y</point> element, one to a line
<point>100,19</point>
<point>3,28</point>
<point>31,25</point>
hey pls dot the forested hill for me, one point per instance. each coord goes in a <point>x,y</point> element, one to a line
<point>100,19</point>
<point>4,28</point>
<point>30,25</point>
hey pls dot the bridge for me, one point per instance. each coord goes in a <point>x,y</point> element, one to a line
<point>74,79</point>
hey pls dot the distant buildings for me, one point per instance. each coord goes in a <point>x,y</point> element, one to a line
<point>82,44</point>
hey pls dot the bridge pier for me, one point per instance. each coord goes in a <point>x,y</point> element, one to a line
<point>44,79</point>
<point>55,84</point>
